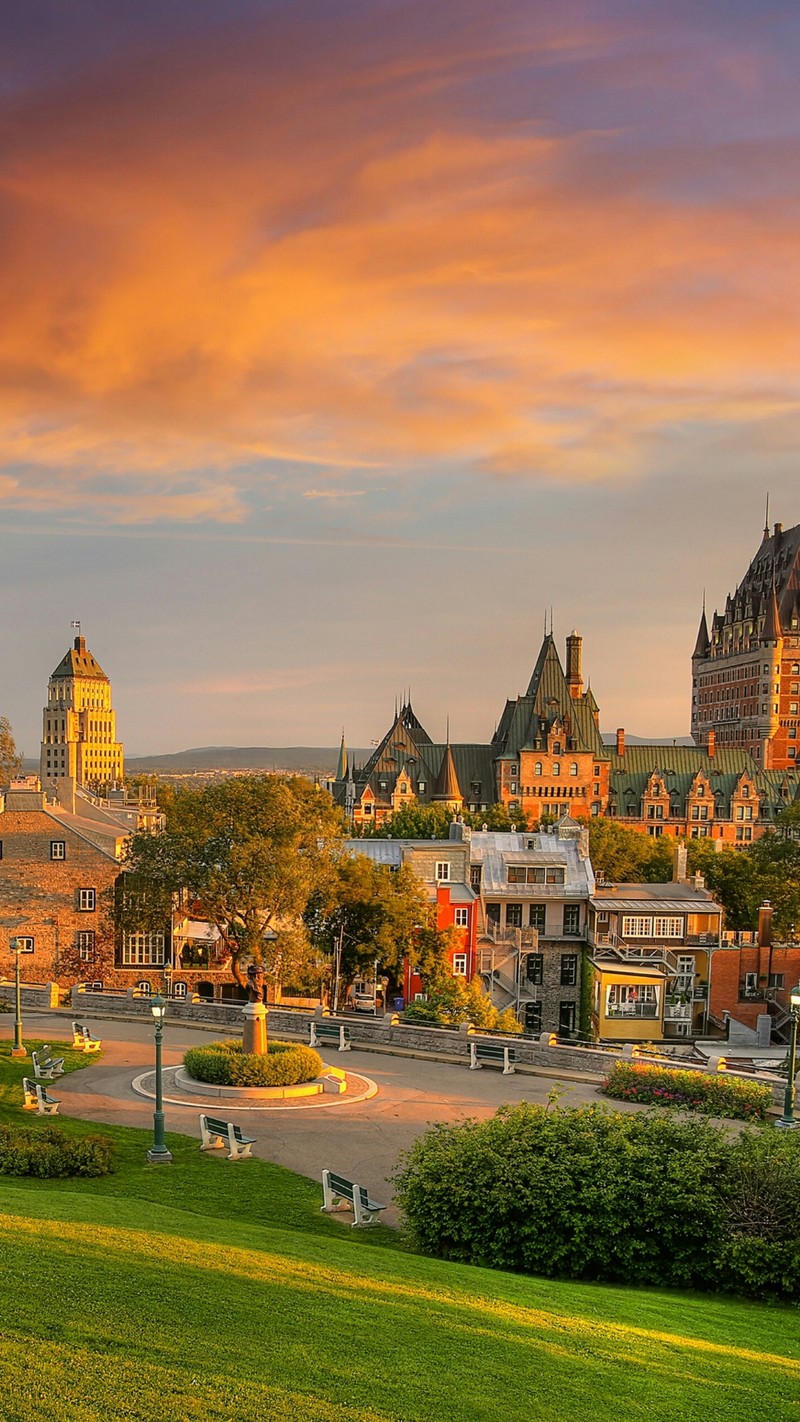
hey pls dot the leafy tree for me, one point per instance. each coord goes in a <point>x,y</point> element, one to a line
<point>164,791</point>
<point>732,878</point>
<point>368,909</point>
<point>248,852</point>
<point>775,859</point>
<point>415,821</point>
<point>626,856</point>
<point>11,760</point>
<point>498,818</point>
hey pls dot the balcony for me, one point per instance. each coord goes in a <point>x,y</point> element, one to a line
<point>675,1010</point>
<point>633,1009</point>
<point>511,937</point>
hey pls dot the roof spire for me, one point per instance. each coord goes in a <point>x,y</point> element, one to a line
<point>341,768</point>
<point>772,630</point>
<point>766,522</point>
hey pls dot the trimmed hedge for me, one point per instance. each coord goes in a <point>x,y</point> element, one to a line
<point>225,1064</point>
<point>731,1096</point>
<point>49,1154</point>
<point>609,1196</point>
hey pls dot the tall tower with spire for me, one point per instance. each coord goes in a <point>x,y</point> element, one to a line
<point>79,725</point>
<point>746,664</point>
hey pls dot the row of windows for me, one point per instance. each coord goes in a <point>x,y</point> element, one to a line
<point>537,915</point>
<point>644,926</point>
<point>566,1017</point>
<point>530,874</point>
<point>534,969</point>
<point>85,944</point>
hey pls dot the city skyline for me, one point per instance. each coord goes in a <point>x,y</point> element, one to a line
<point>341,342</point>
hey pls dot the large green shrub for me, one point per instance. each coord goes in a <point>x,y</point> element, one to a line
<point>50,1154</point>
<point>597,1194</point>
<point>225,1064</point>
<point>689,1090</point>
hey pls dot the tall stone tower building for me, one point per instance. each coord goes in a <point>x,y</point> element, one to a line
<point>79,730</point>
<point>746,666</point>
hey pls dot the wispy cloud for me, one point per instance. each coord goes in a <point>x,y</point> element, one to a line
<point>334,493</point>
<point>388,248</point>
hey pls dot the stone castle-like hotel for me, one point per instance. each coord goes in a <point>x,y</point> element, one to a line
<point>547,756</point>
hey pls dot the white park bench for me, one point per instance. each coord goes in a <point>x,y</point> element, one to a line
<point>494,1054</point>
<point>46,1067</point>
<point>37,1098</point>
<point>341,1194</point>
<point>82,1039</point>
<point>322,1032</point>
<point>217,1134</point>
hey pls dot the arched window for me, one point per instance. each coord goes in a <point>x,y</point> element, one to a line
<point>573,770</point>
<point>556,768</point>
<point>537,769</point>
<point>144,987</point>
<point>557,748</point>
<point>178,989</point>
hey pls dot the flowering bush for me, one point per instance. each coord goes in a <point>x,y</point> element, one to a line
<point>688,1090</point>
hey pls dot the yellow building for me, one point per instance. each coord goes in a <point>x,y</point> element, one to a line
<point>628,1001</point>
<point>79,725</point>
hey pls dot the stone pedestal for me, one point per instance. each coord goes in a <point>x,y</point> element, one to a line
<point>254,1032</point>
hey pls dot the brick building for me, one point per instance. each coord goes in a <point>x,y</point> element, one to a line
<point>746,667</point>
<point>54,885</point>
<point>533,896</point>
<point>443,868</point>
<point>547,758</point>
<point>752,976</point>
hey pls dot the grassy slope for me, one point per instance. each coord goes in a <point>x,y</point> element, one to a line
<point>248,1304</point>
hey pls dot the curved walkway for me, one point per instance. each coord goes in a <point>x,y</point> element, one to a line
<point>363,1138</point>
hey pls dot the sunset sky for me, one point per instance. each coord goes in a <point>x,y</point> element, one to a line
<point>340,338</point>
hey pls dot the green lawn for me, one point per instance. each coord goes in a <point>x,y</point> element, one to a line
<point>211,1291</point>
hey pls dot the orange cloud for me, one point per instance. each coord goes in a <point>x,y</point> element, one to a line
<point>338,261</point>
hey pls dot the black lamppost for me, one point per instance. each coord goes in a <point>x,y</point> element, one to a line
<point>18,1049</point>
<point>787,1121</point>
<point>158,1153</point>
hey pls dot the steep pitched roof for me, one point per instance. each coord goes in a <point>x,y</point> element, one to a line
<point>679,766</point>
<point>525,722</point>
<point>447,786</point>
<point>341,767</point>
<point>703,641</point>
<point>79,661</point>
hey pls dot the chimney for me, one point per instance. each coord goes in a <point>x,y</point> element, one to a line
<point>765,925</point>
<point>679,861</point>
<point>711,744</point>
<point>574,674</point>
<point>620,740</point>
<point>778,530</point>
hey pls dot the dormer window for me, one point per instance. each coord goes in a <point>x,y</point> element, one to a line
<point>746,792</point>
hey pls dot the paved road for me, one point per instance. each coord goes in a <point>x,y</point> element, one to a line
<point>362,1139</point>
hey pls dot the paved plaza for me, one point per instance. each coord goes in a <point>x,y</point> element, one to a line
<point>361,1138</point>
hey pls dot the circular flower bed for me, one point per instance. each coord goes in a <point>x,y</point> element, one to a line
<point>225,1064</point>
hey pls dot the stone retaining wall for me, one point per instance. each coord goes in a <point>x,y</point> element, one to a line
<point>388,1032</point>
<point>35,995</point>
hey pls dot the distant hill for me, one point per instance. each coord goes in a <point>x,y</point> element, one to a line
<point>308,760</point>
<point>304,760</point>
